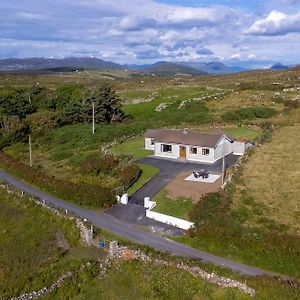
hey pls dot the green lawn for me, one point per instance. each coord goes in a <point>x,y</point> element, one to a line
<point>243,133</point>
<point>147,173</point>
<point>179,207</point>
<point>134,147</point>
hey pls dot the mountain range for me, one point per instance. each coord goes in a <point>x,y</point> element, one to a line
<point>161,68</point>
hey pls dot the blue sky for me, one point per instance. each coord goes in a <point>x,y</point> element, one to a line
<point>246,33</point>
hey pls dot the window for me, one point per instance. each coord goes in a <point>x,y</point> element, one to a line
<point>166,148</point>
<point>205,151</point>
<point>152,141</point>
<point>193,150</point>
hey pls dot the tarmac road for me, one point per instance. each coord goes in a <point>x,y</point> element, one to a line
<point>133,233</point>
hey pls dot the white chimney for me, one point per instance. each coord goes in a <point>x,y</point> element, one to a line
<point>185,131</point>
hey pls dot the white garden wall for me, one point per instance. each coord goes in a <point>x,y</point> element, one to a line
<point>180,223</point>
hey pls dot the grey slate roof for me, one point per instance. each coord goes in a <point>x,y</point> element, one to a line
<point>192,138</point>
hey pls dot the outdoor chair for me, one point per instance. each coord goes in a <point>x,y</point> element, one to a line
<point>201,173</point>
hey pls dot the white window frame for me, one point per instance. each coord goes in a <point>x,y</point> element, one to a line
<point>205,151</point>
<point>166,145</point>
<point>192,150</point>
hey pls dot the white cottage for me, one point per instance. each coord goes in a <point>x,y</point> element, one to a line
<point>202,147</point>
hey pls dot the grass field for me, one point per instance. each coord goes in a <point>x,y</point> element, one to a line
<point>36,246</point>
<point>136,280</point>
<point>271,178</point>
<point>179,207</point>
<point>242,133</point>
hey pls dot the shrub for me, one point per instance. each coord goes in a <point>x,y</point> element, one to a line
<point>249,113</point>
<point>43,120</point>
<point>105,164</point>
<point>128,175</point>
<point>294,103</point>
<point>83,194</point>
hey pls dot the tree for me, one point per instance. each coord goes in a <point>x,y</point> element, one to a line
<point>69,93</point>
<point>108,106</point>
<point>73,112</point>
<point>16,104</point>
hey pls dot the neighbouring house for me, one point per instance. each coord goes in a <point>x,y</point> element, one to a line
<point>204,147</point>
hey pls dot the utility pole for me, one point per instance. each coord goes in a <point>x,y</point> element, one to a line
<point>30,151</point>
<point>93,108</point>
<point>223,162</point>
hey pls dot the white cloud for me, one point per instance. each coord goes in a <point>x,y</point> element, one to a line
<point>31,16</point>
<point>276,23</point>
<point>144,31</point>
<point>251,56</point>
<point>235,56</point>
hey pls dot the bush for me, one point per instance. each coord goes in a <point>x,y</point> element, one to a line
<point>129,175</point>
<point>84,194</point>
<point>294,103</point>
<point>43,120</point>
<point>111,165</point>
<point>249,113</point>
<point>105,164</point>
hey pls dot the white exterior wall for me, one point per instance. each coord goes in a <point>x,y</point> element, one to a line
<point>148,144</point>
<point>180,223</point>
<point>173,154</point>
<point>239,148</point>
<point>199,157</point>
<point>220,150</point>
<point>214,153</point>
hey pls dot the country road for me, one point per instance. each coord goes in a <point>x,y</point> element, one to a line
<point>134,234</point>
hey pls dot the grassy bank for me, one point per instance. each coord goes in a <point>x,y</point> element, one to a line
<point>147,173</point>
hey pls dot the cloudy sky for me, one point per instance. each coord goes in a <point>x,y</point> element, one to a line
<point>251,33</point>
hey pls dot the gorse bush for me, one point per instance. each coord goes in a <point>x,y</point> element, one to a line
<point>249,113</point>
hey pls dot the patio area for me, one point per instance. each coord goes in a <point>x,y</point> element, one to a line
<point>187,186</point>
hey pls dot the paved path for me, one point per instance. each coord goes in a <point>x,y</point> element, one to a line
<point>133,233</point>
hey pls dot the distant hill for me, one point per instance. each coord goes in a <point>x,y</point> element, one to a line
<point>279,66</point>
<point>169,69</point>
<point>135,67</point>
<point>214,67</point>
<point>15,64</point>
